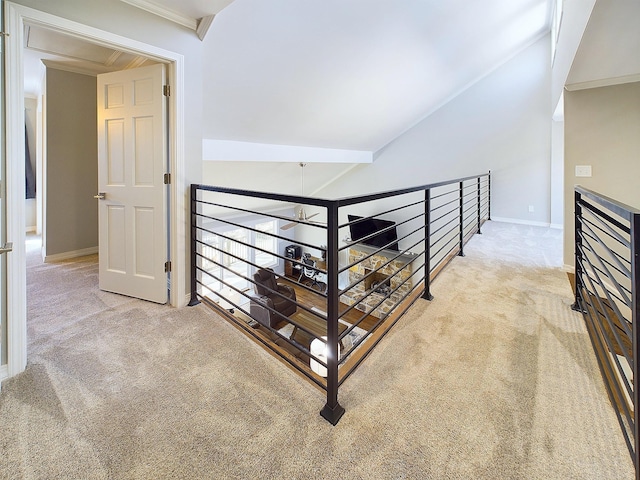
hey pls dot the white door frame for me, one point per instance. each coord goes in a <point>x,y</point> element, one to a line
<point>16,16</point>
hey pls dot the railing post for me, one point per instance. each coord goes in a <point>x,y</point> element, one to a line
<point>479,210</point>
<point>332,411</point>
<point>577,241</point>
<point>194,246</point>
<point>489,196</point>
<point>635,318</point>
<point>427,238</point>
<point>461,219</point>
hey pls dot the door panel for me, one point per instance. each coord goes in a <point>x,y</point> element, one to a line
<point>132,162</point>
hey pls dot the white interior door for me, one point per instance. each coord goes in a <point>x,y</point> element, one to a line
<point>132,158</point>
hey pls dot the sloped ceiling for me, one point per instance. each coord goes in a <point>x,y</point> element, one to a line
<point>609,52</point>
<point>351,75</point>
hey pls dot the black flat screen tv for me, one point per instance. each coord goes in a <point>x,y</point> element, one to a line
<point>366,227</point>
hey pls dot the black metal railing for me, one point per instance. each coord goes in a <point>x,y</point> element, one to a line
<point>357,288</point>
<point>607,272</point>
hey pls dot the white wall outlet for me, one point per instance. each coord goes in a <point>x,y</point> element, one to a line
<point>531,209</point>
<point>583,170</point>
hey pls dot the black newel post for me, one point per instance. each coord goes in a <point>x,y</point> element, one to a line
<point>332,411</point>
<point>489,196</point>
<point>194,245</point>
<point>577,240</point>
<point>479,207</point>
<point>427,245</point>
<point>461,220</point>
<point>635,317</point>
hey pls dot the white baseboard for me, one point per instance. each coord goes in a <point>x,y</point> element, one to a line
<point>520,222</point>
<point>557,226</point>
<point>57,257</point>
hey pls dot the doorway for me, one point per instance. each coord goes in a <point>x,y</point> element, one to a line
<point>17,17</point>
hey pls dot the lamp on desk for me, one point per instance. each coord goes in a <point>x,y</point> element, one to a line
<point>319,349</point>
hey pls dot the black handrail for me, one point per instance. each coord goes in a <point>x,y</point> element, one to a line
<point>607,240</point>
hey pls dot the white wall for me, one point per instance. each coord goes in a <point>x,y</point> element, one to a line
<point>502,124</point>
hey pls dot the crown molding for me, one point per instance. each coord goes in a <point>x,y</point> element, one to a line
<point>603,82</point>
<point>203,26</point>
<point>165,13</point>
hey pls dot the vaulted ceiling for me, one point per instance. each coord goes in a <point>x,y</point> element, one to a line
<point>356,74</point>
<point>347,75</point>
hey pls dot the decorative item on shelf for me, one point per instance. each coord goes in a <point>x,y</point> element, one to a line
<point>319,349</point>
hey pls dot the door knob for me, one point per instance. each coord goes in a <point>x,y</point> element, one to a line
<point>6,248</point>
<point>100,196</point>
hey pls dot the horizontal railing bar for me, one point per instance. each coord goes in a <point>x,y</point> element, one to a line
<point>204,229</point>
<point>373,308</point>
<point>616,207</point>
<point>437,264</point>
<point>609,365</point>
<point>607,229</point>
<point>456,190</point>
<point>584,239</point>
<point>375,252</point>
<point>617,297</point>
<point>447,235</point>
<point>343,202</point>
<point>371,273</point>
<point>622,260</point>
<point>386,212</point>
<point>603,312</point>
<point>613,305</point>
<point>230,207</point>
<point>454,213</point>
<point>455,200</point>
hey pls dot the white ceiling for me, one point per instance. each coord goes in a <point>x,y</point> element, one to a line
<point>345,75</point>
<point>351,75</point>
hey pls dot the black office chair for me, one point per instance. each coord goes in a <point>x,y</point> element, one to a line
<point>310,271</point>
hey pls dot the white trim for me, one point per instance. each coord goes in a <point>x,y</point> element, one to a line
<point>603,82</point>
<point>65,67</point>
<point>557,226</point>
<point>57,257</point>
<point>15,18</point>
<point>15,193</point>
<point>165,13</point>
<point>520,222</point>
<point>233,151</point>
<point>203,26</point>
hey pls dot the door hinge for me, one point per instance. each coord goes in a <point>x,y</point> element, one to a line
<point>167,266</point>
<point>167,178</point>
<point>166,90</point>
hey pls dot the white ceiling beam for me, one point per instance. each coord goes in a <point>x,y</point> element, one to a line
<point>232,151</point>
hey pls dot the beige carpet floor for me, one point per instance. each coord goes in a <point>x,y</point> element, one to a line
<point>493,379</point>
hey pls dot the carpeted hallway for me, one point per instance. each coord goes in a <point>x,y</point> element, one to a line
<point>493,379</point>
